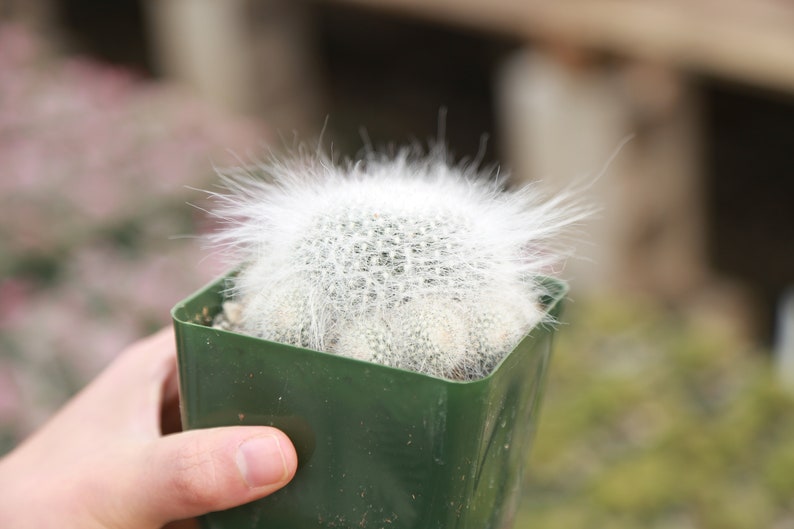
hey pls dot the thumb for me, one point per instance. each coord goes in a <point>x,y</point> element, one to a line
<point>195,472</point>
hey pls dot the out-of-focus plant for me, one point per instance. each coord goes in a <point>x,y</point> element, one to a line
<point>652,422</point>
<point>95,164</point>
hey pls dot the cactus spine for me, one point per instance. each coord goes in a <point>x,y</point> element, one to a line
<point>405,261</point>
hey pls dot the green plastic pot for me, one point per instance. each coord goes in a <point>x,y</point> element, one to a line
<point>378,447</point>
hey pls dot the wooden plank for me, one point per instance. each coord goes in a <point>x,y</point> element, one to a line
<point>747,41</point>
<point>561,122</point>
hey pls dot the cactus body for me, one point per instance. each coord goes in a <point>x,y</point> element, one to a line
<point>405,261</point>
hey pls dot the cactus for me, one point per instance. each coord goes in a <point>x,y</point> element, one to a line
<point>406,261</point>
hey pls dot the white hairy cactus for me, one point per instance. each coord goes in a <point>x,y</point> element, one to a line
<point>405,261</point>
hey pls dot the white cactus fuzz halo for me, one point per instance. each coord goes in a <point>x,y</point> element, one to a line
<point>406,260</point>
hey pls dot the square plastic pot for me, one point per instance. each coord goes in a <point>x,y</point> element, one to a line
<point>378,447</point>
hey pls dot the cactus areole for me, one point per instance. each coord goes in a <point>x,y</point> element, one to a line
<point>393,316</point>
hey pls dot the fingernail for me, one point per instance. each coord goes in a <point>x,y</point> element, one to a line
<point>261,461</point>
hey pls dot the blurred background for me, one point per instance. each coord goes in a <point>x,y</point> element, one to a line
<point>670,401</point>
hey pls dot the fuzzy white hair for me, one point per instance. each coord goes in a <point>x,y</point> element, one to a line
<point>403,260</point>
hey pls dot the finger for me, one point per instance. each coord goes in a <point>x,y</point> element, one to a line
<point>136,384</point>
<point>200,471</point>
<point>125,400</point>
<point>150,358</point>
<point>170,415</point>
<point>148,362</point>
<point>170,412</point>
<point>183,524</point>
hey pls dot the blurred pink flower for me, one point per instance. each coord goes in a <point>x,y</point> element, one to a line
<point>14,296</point>
<point>10,397</point>
<point>93,199</point>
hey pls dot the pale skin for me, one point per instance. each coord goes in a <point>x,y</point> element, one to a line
<point>109,458</point>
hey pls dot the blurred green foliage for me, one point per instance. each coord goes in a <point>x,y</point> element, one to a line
<point>652,421</point>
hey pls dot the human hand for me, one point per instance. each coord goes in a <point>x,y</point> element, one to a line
<point>104,462</point>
